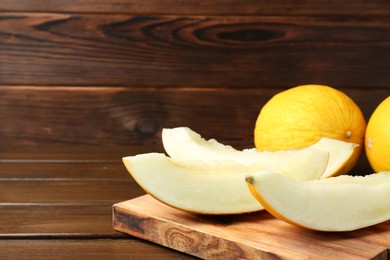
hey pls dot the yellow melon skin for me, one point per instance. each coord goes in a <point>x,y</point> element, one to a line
<point>300,116</point>
<point>377,139</point>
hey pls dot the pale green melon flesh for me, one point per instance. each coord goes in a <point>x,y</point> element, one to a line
<point>188,149</point>
<point>340,203</point>
<point>339,153</point>
<point>196,192</point>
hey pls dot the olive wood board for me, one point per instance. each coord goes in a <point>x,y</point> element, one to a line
<point>244,236</point>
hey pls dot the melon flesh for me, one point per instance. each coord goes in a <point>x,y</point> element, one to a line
<point>341,203</point>
<point>188,148</point>
<point>190,190</point>
<point>340,153</point>
<point>197,189</point>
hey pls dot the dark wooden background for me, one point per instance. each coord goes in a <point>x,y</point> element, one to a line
<point>115,72</point>
<point>85,82</point>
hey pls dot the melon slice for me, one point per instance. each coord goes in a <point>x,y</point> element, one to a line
<point>195,189</point>
<point>341,203</point>
<point>340,154</point>
<point>187,147</point>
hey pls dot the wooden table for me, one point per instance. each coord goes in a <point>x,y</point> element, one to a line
<point>109,75</point>
<point>56,203</point>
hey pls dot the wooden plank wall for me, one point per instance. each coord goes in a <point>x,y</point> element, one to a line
<point>116,72</point>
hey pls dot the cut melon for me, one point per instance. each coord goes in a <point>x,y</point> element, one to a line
<point>195,190</point>
<point>340,154</point>
<point>189,190</point>
<point>188,148</point>
<point>341,203</point>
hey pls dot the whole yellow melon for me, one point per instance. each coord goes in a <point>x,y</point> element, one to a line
<point>377,139</point>
<point>300,116</point>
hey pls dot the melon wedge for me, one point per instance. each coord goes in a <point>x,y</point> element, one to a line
<point>341,203</point>
<point>340,155</point>
<point>196,189</point>
<point>309,164</point>
<point>189,190</point>
<point>187,147</point>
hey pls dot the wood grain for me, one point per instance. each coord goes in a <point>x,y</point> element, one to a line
<point>63,170</point>
<point>196,51</point>
<point>85,82</point>
<point>72,154</point>
<point>67,220</point>
<point>135,116</point>
<point>45,249</point>
<point>68,191</point>
<point>59,205</point>
<point>248,236</point>
<point>197,7</point>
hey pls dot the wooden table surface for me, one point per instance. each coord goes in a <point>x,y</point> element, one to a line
<point>56,203</point>
<point>85,82</point>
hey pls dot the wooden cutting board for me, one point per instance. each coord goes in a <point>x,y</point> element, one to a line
<point>248,236</point>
